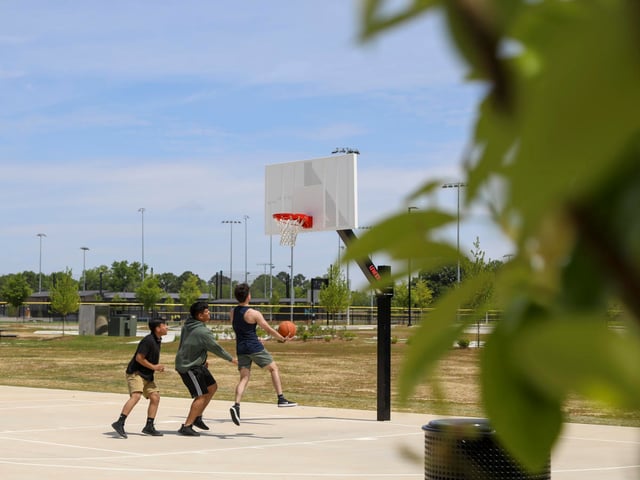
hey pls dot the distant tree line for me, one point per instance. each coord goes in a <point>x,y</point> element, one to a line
<point>122,276</point>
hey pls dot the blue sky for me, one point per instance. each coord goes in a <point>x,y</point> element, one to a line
<point>178,106</point>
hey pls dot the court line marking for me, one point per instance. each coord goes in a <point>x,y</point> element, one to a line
<point>600,469</point>
<point>605,440</point>
<point>203,451</point>
<point>260,474</point>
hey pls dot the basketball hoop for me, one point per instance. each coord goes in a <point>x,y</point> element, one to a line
<point>290,225</point>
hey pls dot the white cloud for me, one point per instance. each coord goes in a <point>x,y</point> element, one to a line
<point>178,106</point>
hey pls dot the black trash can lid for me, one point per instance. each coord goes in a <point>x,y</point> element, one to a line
<point>475,425</point>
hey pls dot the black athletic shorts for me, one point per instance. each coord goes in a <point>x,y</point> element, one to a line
<point>198,380</point>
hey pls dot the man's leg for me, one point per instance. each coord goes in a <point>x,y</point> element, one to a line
<point>152,410</point>
<point>199,404</point>
<point>245,375</point>
<point>134,398</point>
<point>118,425</point>
<point>234,411</point>
<point>277,385</point>
<point>154,402</point>
<point>275,377</point>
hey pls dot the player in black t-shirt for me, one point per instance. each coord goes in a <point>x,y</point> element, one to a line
<point>139,374</point>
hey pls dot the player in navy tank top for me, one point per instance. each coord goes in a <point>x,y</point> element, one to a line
<point>250,349</point>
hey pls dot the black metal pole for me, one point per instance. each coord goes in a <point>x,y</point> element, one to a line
<point>384,349</point>
<point>383,297</point>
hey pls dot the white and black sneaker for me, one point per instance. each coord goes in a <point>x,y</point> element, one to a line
<point>234,411</point>
<point>283,402</point>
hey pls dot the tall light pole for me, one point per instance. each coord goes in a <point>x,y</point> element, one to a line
<point>84,267</point>
<point>265,265</point>
<point>271,265</point>
<point>40,262</point>
<point>246,217</point>
<point>409,278</point>
<point>457,185</point>
<point>292,292</point>
<point>348,288</point>
<point>231,222</point>
<point>141,210</point>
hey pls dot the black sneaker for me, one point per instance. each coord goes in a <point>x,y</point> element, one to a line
<point>151,430</point>
<point>188,431</point>
<point>119,428</point>
<point>200,424</point>
<point>235,414</point>
<point>283,402</point>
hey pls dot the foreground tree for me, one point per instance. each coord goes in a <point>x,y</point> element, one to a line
<point>124,277</point>
<point>149,293</point>
<point>558,135</point>
<point>334,296</point>
<point>15,290</point>
<point>65,298</point>
<point>420,294</point>
<point>31,278</point>
<point>190,291</point>
<point>168,282</point>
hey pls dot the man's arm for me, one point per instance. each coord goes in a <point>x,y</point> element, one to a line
<point>142,360</point>
<point>259,319</point>
<point>215,348</point>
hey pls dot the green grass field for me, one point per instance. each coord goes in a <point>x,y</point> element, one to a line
<point>337,373</point>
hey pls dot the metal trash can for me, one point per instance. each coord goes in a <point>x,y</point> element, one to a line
<point>122,326</point>
<point>467,449</point>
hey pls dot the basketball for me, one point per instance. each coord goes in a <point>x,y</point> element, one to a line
<point>287,328</point>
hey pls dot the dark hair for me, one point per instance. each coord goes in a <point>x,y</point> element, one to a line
<point>154,322</point>
<point>241,292</point>
<point>198,308</point>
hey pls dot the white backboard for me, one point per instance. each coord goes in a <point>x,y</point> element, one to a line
<point>325,188</point>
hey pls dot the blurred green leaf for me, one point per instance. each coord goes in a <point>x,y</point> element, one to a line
<point>581,354</point>
<point>436,334</point>
<point>476,37</point>
<point>526,421</point>
<point>376,15</point>
<point>579,294</point>
<point>407,236</point>
<point>557,126</point>
<point>556,148</point>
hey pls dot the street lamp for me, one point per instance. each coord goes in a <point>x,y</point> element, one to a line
<point>246,217</point>
<point>231,222</point>
<point>84,267</point>
<point>409,278</point>
<point>457,185</point>
<point>141,210</point>
<point>40,262</point>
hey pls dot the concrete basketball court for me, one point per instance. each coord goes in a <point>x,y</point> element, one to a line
<point>58,434</point>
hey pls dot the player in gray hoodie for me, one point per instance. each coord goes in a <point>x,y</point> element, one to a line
<point>191,363</point>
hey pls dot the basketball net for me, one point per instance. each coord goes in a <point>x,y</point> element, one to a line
<point>289,228</point>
